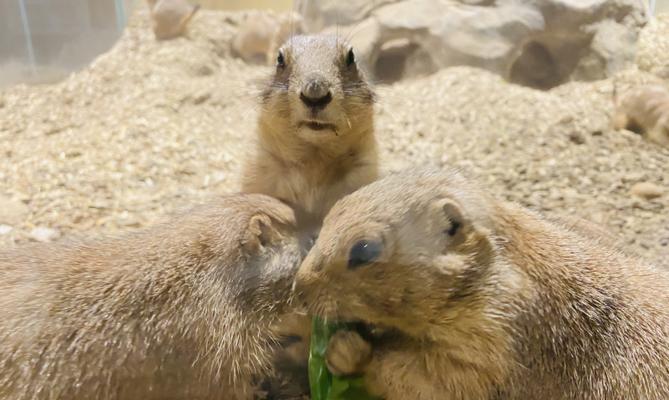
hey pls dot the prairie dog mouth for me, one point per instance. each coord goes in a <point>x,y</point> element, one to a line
<point>317,125</point>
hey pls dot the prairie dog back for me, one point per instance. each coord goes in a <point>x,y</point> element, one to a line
<point>179,310</point>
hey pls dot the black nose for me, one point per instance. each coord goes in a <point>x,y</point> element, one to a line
<point>316,94</point>
<point>318,102</point>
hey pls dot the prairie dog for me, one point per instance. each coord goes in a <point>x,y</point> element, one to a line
<point>591,230</point>
<point>482,299</point>
<point>180,310</point>
<point>169,18</point>
<point>645,110</point>
<point>315,143</point>
<point>315,139</point>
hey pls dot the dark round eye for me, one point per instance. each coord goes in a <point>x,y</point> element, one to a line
<point>350,57</point>
<point>280,60</point>
<point>363,252</point>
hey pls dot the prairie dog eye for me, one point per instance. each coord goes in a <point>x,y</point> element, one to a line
<point>363,253</point>
<point>350,57</point>
<point>280,60</point>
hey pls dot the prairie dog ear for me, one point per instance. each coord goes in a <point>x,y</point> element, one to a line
<point>457,220</point>
<point>259,232</point>
<point>463,233</point>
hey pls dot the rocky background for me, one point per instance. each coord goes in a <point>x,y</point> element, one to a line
<point>519,94</point>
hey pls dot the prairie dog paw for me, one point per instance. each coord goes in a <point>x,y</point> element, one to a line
<point>347,353</point>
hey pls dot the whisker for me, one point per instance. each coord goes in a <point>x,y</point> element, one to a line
<point>354,30</point>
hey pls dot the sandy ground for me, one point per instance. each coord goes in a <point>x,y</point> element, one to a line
<point>150,127</point>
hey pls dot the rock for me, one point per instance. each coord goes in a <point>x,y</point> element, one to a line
<point>576,137</point>
<point>289,24</point>
<point>262,33</point>
<point>201,97</point>
<point>647,190</point>
<point>611,49</point>
<point>320,14</point>
<point>170,17</point>
<point>478,2</point>
<point>536,43</point>
<point>5,229</point>
<point>12,211</point>
<point>43,234</point>
<point>653,47</point>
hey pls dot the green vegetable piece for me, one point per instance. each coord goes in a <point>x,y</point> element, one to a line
<point>324,385</point>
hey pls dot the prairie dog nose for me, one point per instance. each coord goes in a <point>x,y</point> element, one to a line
<point>316,93</point>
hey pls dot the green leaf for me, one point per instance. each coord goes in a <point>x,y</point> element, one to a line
<point>323,385</point>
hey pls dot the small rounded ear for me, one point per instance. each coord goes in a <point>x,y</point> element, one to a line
<point>464,234</point>
<point>350,56</point>
<point>455,215</point>
<point>259,232</point>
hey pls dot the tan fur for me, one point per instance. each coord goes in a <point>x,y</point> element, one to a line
<point>645,110</point>
<point>312,169</point>
<point>482,299</point>
<point>170,17</point>
<point>180,310</point>
<point>588,229</point>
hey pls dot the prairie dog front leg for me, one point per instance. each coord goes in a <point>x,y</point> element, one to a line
<point>347,353</point>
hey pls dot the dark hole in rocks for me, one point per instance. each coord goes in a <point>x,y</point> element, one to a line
<point>635,127</point>
<point>535,67</point>
<point>545,62</point>
<point>401,58</point>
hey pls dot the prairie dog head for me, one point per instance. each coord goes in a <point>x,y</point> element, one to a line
<point>178,309</point>
<point>404,252</point>
<point>317,93</point>
<point>249,242</point>
<point>645,110</point>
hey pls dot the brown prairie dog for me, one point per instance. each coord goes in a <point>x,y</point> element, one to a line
<point>170,17</point>
<point>589,229</point>
<point>315,129</point>
<point>180,310</point>
<point>482,299</point>
<point>645,110</point>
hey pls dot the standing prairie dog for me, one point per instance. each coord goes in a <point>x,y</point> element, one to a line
<point>169,18</point>
<point>315,129</point>
<point>315,144</point>
<point>482,299</point>
<point>180,310</point>
<point>645,110</point>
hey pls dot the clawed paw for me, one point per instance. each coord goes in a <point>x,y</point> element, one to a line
<point>347,353</point>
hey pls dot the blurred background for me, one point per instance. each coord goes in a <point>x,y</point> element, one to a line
<point>115,112</point>
<point>43,40</point>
